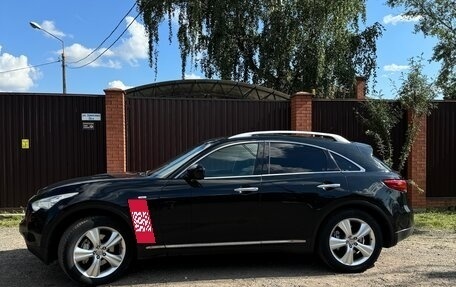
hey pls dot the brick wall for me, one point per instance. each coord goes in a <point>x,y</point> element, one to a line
<point>438,202</point>
<point>115,131</point>
<point>301,111</point>
<point>360,88</point>
<point>417,167</point>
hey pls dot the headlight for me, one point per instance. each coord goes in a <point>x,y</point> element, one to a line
<point>48,202</point>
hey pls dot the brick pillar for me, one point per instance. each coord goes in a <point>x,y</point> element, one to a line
<point>360,88</point>
<point>416,166</point>
<point>301,111</point>
<point>116,152</point>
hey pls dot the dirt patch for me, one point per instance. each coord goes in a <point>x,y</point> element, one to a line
<point>428,258</point>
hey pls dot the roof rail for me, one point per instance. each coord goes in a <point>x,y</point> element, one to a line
<point>335,137</point>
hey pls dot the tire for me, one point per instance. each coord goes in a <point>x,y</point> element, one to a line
<point>350,241</point>
<point>95,250</point>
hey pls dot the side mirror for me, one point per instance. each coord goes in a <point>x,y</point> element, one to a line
<point>196,171</point>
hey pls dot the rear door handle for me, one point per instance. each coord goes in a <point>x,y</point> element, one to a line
<point>242,190</point>
<point>328,186</point>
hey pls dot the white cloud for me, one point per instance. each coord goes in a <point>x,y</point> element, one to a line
<point>131,49</point>
<point>135,46</point>
<point>192,76</point>
<point>50,27</point>
<point>395,68</point>
<point>118,84</point>
<point>77,51</point>
<point>16,81</point>
<point>401,18</point>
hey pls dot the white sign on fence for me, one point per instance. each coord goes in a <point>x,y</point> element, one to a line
<point>91,117</point>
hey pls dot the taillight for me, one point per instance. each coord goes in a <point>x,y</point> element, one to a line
<point>396,184</point>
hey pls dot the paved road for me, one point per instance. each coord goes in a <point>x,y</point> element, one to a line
<point>425,259</point>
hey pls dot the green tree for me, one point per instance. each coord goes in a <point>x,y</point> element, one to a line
<point>437,18</point>
<point>281,44</point>
<point>379,118</point>
<point>415,96</point>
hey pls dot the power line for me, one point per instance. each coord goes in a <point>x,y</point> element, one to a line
<point>88,55</point>
<point>29,67</point>
<point>115,41</point>
<point>110,34</point>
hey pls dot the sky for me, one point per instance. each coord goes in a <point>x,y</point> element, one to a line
<point>29,58</point>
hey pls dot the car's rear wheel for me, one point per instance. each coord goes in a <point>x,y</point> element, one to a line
<point>95,250</point>
<point>350,241</point>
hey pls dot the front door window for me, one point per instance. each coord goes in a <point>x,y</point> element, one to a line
<point>235,160</point>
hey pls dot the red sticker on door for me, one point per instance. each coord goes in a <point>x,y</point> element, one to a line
<point>142,223</point>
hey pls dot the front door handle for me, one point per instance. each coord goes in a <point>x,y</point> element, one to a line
<point>242,190</point>
<point>328,186</point>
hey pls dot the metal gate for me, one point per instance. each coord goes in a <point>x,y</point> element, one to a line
<point>159,128</point>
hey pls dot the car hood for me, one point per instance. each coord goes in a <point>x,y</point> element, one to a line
<point>89,179</point>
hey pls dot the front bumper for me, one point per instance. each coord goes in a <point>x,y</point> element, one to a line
<point>31,228</point>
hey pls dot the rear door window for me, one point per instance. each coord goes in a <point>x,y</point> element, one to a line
<point>296,158</point>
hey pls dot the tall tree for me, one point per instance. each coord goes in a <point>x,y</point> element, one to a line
<point>415,96</point>
<point>287,45</point>
<point>438,19</point>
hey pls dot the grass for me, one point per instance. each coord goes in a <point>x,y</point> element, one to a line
<point>428,220</point>
<point>436,220</point>
<point>10,219</point>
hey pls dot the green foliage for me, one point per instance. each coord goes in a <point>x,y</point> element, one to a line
<point>380,118</point>
<point>281,44</point>
<point>437,19</point>
<point>415,96</point>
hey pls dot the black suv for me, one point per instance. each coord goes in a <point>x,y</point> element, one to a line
<point>313,192</point>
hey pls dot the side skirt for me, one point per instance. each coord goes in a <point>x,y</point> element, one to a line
<point>223,244</point>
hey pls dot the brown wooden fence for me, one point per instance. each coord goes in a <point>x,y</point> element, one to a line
<point>60,146</point>
<point>441,150</point>
<point>42,141</point>
<point>159,129</point>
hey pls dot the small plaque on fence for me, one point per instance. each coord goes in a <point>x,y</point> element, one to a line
<point>88,126</point>
<point>25,143</point>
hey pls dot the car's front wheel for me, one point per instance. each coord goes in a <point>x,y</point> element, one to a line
<point>350,241</point>
<point>95,250</point>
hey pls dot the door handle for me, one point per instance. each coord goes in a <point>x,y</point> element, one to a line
<point>242,190</point>
<point>328,186</point>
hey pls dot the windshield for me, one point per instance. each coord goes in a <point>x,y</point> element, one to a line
<point>166,169</point>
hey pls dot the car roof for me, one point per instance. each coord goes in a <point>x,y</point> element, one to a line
<point>331,136</point>
<point>325,140</point>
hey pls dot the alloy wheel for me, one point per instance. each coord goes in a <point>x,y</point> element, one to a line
<point>352,241</point>
<point>99,252</point>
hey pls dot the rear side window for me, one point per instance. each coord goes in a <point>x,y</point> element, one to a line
<point>295,158</point>
<point>344,164</point>
<point>380,164</point>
